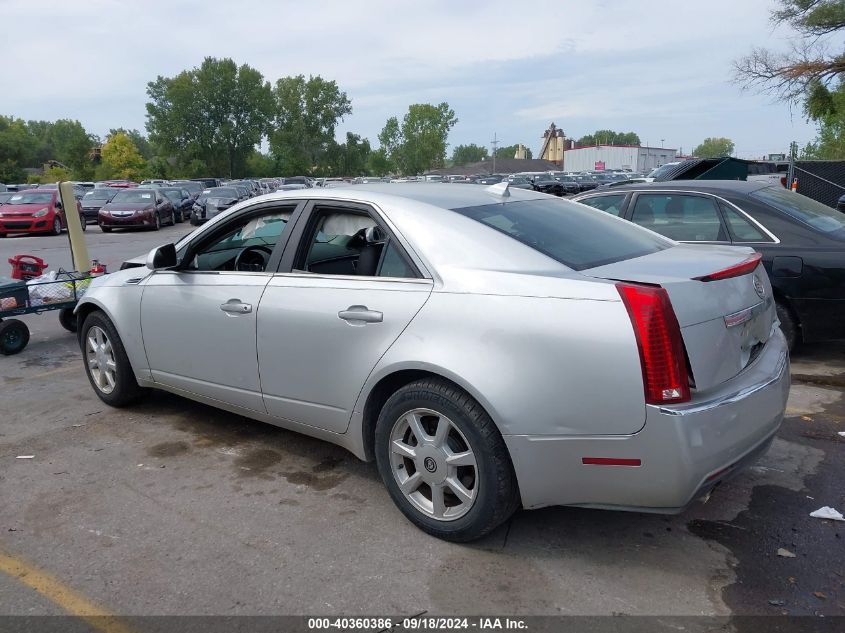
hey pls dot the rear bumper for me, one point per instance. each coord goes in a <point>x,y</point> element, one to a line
<point>684,450</point>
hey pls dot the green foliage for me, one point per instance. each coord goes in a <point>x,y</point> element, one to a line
<point>471,153</point>
<point>349,158</point>
<point>34,143</point>
<point>260,165</point>
<point>609,137</point>
<point>827,108</point>
<point>714,147</point>
<point>53,174</point>
<point>509,151</point>
<point>306,114</point>
<point>812,17</point>
<point>145,148</point>
<point>217,113</point>
<point>121,159</point>
<point>379,164</point>
<point>419,143</point>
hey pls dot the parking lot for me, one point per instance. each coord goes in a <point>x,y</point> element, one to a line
<point>172,507</point>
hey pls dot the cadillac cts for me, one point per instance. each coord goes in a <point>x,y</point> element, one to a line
<point>488,348</point>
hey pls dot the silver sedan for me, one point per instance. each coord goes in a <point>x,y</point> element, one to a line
<point>489,348</point>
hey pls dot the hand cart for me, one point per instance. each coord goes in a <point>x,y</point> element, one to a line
<point>34,297</point>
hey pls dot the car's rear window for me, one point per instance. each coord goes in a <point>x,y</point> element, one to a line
<point>571,234</point>
<point>804,209</point>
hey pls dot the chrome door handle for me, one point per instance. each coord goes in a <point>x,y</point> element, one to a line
<point>234,306</point>
<point>358,315</point>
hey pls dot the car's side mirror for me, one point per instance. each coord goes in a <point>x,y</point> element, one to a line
<point>374,235</point>
<point>58,204</point>
<point>162,257</point>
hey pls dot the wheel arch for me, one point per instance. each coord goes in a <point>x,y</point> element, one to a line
<point>131,341</point>
<point>389,381</point>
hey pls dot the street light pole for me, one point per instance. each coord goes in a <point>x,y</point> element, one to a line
<point>495,144</point>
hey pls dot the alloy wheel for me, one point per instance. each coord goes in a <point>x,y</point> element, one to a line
<point>99,354</point>
<point>433,464</point>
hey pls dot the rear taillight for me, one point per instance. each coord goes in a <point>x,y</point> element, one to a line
<point>743,268</point>
<point>658,335</point>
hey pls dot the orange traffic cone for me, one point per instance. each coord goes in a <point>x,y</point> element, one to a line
<point>794,186</point>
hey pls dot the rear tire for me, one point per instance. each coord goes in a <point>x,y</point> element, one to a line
<point>472,455</point>
<point>788,324</point>
<point>106,363</point>
<point>14,336</point>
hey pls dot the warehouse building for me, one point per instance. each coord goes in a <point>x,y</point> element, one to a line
<point>634,157</point>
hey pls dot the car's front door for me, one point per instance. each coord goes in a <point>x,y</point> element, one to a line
<point>199,321</point>
<point>347,289</point>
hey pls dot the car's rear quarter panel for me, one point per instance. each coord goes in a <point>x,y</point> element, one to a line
<point>539,365</point>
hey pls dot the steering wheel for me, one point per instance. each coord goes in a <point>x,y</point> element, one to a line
<point>253,259</point>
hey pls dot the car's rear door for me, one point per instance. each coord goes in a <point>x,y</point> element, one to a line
<point>346,290</point>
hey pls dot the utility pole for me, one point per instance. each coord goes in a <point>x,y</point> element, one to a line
<point>495,144</point>
<point>661,142</point>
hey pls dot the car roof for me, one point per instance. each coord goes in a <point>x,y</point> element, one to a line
<point>735,186</point>
<point>436,194</point>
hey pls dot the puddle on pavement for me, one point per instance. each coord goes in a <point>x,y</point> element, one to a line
<point>168,449</point>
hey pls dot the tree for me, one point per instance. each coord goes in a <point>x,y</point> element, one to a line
<point>509,151</point>
<point>714,147</point>
<point>16,149</point>
<point>608,137</point>
<point>145,148</point>
<point>829,114</point>
<point>809,66</point>
<point>121,159</point>
<point>379,164</point>
<point>261,165</point>
<point>72,147</point>
<point>471,153</point>
<point>348,159</point>
<point>216,113</point>
<point>419,143</point>
<point>307,112</point>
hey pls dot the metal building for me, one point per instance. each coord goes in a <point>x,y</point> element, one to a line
<point>634,157</point>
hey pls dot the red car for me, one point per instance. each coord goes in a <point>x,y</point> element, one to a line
<point>34,211</point>
<point>136,209</point>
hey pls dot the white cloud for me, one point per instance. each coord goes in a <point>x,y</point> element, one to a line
<point>500,64</point>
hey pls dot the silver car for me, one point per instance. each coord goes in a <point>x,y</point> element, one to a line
<point>489,348</point>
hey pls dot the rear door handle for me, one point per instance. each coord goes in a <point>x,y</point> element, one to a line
<point>359,315</point>
<point>235,306</point>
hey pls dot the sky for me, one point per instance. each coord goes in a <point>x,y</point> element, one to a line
<point>662,69</point>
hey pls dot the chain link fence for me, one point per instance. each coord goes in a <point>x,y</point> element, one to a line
<point>821,180</point>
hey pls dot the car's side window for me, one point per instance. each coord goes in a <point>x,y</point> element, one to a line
<point>243,244</point>
<point>350,242</point>
<point>609,204</point>
<point>741,229</point>
<point>681,217</point>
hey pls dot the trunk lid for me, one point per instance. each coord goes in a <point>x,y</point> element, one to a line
<point>724,323</point>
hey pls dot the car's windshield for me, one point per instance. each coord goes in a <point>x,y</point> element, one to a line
<point>135,196</point>
<point>804,209</point>
<point>31,198</point>
<point>219,192</point>
<point>571,234</point>
<point>99,194</point>
<point>4,197</point>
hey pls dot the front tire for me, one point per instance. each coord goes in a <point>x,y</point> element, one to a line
<point>788,324</point>
<point>106,363</point>
<point>57,226</point>
<point>105,229</point>
<point>14,336</point>
<point>444,462</point>
<point>157,222</point>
